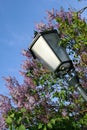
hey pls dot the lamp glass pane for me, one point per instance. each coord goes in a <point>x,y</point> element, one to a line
<point>61,52</point>
<point>42,50</point>
<point>52,39</point>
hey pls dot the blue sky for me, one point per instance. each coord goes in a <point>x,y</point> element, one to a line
<point>17,22</point>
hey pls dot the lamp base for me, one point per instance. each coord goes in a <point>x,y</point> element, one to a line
<point>64,68</point>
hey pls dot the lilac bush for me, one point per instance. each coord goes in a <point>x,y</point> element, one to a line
<point>44,100</point>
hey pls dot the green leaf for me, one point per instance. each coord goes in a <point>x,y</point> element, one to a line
<point>23,110</point>
<point>19,120</point>
<point>49,125</point>
<point>45,128</point>
<point>12,115</point>
<point>9,120</point>
<point>21,127</point>
<point>53,121</point>
<point>40,126</point>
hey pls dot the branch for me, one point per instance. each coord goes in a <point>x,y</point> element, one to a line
<point>82,10</point>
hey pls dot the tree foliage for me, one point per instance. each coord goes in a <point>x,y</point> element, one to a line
<point>45,101</point>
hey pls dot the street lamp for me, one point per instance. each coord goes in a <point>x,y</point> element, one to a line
<point>45,47</point>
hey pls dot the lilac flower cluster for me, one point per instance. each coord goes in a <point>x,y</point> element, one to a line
<point>5,106</point>
<point>60,14</point>
<point>20,93</point>
<point>51,18</point>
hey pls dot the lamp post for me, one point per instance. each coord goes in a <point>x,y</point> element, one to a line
<point>45,47</point>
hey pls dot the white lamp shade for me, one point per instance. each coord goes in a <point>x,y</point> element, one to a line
<point>45,47</point>
<point>43,51</point>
